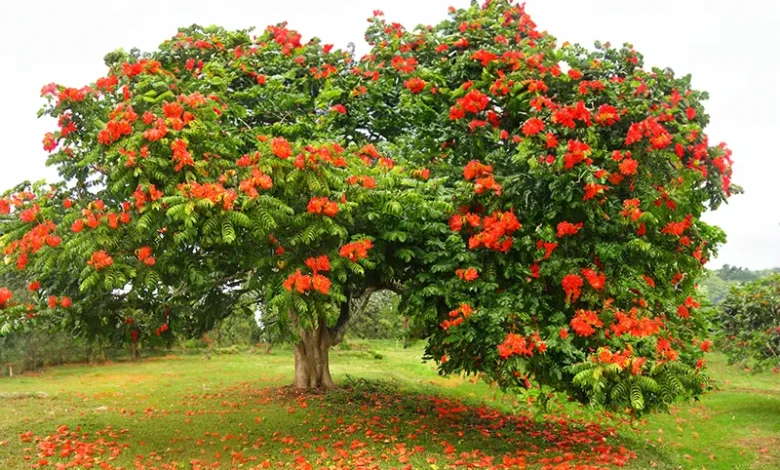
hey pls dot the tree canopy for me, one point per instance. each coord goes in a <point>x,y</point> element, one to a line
<point>536,205</point>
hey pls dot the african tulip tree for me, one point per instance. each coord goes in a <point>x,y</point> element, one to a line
<point>537,206</point>
<point>217,173</point>
<point>579,180</point>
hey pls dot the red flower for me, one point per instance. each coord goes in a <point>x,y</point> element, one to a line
<point>181,156</point>
<point>34,286</point>
<point>322,205</point>
<point>100,259</point>
<point>584,322</point>
<point>690,113</point>
<point>467,275</point>
<point>649,280</point>
<point>5,296</point>
<point>77,226</point>
<point>592,190</point>
<point>628,166</point>
<point>415,85</point>
<point>567,228</point>
<point>571,284</point>
<point>320,263</point>
<point>456,223</point>
<point>596,281</point>
<point>356,250</point>
<point>320,283</point>
<point>281,148</point>
<point>564,333</point>
<point>144,255</point>
<point>577,152</point>
<point>339,108</point>
<point>475,169</point>
<point>606,115</point>
<point>705,345</point>
<point>52,301</point>
<point>484,56</point>
<point>28,215</point>
<point>683,311</point>
<point>49,142</point>
<point>535,271</point>
<point>676,228</point>
<point>533,126</point>
<point>515,344</point>
<point>65,302</point>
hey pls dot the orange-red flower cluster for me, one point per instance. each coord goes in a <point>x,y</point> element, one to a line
<point>467,275</point>
<point>324,153</point>
<point>578,152</point>
<point>120,124</point>
<point>567,115</point>
<point>571,284</point>
<point>595,280</point>
<point>664,349</point>
<point>584,322</point>
<point>257,179</point>
<point>303,283</point>
<point>677,228</point>
<point>181,156</point>
<point>631,209</point>
<point>533,126</point>
<point>567,228</point>
<point>415,85</point>
<point>100,259</point>
<point>144,255</point>
<point>606,115</point>
<point>320,263</point>
<point>281,148</point>
<point>474,102</point>
<point>214,192</point>
<point>367,182</point>
<point>515,344</point>
<point>356,250</point>
<point>497,230</point>
<point>141,197</point>
<point>322,205</point>
<point>636,327</point>
<point>5,296</point>
<point>651,128</point>
<point>457,316</point>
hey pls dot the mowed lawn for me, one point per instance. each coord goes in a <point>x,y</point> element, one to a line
<point>392,411</point>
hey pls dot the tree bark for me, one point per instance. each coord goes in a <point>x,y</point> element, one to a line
<point>312,365</point>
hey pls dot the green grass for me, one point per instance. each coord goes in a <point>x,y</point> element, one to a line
<point>189,412</point>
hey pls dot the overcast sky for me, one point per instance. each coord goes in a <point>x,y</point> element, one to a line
<point>728,47</point>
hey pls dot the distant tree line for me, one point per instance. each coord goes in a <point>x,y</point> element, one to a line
<point>718,282</point>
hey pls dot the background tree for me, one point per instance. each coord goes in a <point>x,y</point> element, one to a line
<point>750,319</point>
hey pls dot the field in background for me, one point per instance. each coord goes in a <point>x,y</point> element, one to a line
<point>191,412</point>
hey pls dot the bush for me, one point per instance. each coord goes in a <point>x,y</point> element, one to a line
<point>750,322</point>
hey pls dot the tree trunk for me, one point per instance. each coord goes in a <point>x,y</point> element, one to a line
<point>312,366</point>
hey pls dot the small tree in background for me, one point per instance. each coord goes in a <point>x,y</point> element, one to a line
<point>750,319</point>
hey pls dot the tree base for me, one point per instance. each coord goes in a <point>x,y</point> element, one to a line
<point>312,364</point>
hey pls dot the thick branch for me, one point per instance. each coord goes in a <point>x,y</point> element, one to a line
<point>350,310</point>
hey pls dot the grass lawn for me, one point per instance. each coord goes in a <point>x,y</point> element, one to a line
<point>236,411</point>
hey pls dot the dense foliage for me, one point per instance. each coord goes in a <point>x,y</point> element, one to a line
<point>750,319</point>
<point>537,206</point>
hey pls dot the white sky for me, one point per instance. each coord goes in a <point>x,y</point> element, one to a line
<point>728,47</point>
